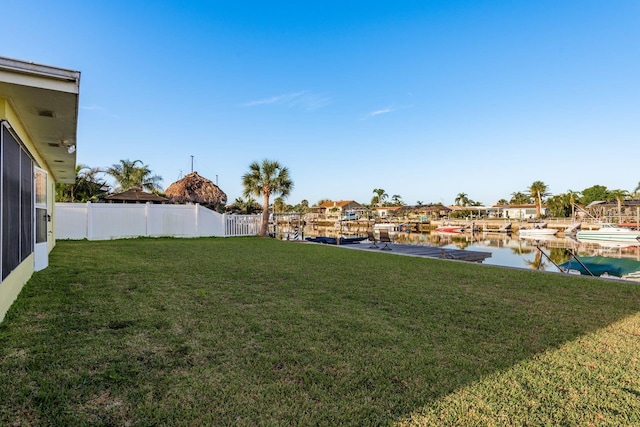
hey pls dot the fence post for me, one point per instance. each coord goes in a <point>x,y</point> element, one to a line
<point>89,234</point>
<point>196,215</point>
<point>146,219</point>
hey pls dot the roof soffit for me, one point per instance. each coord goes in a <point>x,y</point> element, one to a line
<point>45,100</point>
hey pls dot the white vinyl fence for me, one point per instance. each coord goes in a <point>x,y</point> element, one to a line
<point>104,221</point>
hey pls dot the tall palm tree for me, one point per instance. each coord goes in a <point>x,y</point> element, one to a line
<point>538,190</point>
<point>379,197</point>
<point>128,174</point>
<point>265,179</point>
<point>462,199</point>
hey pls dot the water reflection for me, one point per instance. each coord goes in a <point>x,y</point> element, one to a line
<point>540,253</point>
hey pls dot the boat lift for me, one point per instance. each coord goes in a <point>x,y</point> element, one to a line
<point>561,269</point>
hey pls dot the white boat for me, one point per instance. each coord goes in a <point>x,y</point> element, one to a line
<point>609,232</point>
<point>539,229</point>
<point>534,232</point>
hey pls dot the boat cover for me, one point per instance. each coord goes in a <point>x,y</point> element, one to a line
<point>599,265</point>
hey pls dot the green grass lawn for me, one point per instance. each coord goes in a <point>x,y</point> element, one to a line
<point>251,331</point>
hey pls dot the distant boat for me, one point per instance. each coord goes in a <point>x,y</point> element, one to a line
<point>537,230</point>
<point>609,232</point>
<point>335,241</point>
<point>450,229</point>
<point>349,216</point>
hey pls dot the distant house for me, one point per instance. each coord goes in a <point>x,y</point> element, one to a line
<point>135,195</point>
<point>424,212</point>
<point>476,211</point>
<point>340,208</point>
<point>629,210</point>
<point>520,212</point>
<point>387,211</point>
<point>39,117</point>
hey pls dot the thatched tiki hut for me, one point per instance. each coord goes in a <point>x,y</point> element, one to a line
<point>194,188</point>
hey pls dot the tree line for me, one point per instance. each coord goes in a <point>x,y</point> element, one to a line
<point>269,177</point>
<point>91,185</point>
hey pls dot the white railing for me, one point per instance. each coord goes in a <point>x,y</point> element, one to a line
<point>242,225</point>
<point>104,221</point>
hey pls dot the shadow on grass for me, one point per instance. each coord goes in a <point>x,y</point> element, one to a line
<point>256,331</point>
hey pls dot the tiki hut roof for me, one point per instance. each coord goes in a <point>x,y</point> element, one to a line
<point>194,188</point>
<point>135,195</point>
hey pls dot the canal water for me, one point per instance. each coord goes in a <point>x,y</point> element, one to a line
<point>509,250</point>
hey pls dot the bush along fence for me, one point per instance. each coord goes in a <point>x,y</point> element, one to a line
<point>105,221</point>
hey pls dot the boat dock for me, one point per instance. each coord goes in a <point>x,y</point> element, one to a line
<point>424,251</point>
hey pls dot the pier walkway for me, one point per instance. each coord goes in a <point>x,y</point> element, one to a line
<point>424,251</point>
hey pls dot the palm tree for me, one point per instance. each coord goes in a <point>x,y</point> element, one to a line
<point>538,190</point>
<point>462,199</point>
<point>279,205</point>
<point>87,187</point>
<point>502,202</point>
<point>636,191</point>
<point>519,198</point>
<point>242,206</point>
<point>619,196</point>
<point>127,174</point>
<point>396,199</point>
<point>379,197</point>
<point>265,179</point>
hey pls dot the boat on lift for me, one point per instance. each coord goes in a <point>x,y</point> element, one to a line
<point>609,232</point>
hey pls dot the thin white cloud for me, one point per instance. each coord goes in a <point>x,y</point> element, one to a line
<point>304,100</point>
<point>387,110</point>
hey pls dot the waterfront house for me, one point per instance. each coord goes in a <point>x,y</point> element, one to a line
<point>474,211</point>
<point>520,212</point>
<point>628,210</point>
<point>424,212</point>
<point>39,115</point>
<point>338,209</point>
<point>387,211</point>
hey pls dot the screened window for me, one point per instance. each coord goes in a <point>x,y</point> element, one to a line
<point>16,203</point>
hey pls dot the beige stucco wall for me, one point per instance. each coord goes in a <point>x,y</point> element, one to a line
<point>13,284</point>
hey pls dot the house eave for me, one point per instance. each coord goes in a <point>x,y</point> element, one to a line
<point>45,100</point>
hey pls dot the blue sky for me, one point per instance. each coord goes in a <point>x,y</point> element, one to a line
<point>425,99</point>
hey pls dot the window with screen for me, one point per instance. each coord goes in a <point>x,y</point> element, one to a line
<point>16,203</point>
